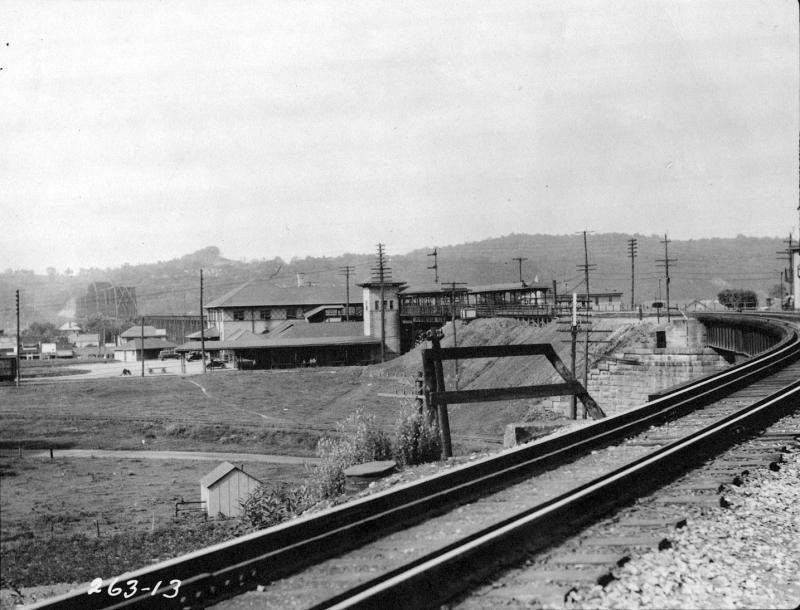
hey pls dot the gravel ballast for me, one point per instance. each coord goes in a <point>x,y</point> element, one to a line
<point>743,556</point>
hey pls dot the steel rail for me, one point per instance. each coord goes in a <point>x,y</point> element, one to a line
<point>231,567</point>
<point>429,581</point>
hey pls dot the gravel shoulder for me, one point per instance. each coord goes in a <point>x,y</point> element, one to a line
<point>745,556</point>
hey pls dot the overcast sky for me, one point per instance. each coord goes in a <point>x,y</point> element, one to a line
<point>137,131</point>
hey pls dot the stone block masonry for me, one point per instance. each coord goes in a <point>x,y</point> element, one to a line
<point>624,378</point>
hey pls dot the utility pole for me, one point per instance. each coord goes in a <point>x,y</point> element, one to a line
<point>435,265</point>
<point>19,343</point>
<point>786,255</point>
<point>519,259</point>
<point>453,320</point>
<point>573,353</point>
<point>379,273</point>
<point>658,309</point>
<point>346,271</point>
<point>586,268</point>
<point>141,338</point>
<point>202,325</point>
<point>555,298</point>
<point>665,263</point>
<point>632,245</point>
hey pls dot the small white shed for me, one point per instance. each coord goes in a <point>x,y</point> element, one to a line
<point>225,488</point>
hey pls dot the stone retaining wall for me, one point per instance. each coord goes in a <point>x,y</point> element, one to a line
<point>625,379</point>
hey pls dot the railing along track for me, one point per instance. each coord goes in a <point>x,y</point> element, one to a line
<point>233,567</point>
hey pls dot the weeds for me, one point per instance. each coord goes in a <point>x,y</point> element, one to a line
<point>359,440</point>
<point>417,440</point>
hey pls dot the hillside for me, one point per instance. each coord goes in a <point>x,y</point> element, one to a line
<point>703,267</point>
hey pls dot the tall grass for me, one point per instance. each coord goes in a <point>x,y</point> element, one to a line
<point>359,439</point>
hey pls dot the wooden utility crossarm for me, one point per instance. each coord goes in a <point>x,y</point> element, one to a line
<point>436,396</point>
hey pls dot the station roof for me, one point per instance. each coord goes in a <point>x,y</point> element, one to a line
<point>266,294</point>
<point>297,334</point>
<point>430,289</point>
<point>209,333</point>
<point>508,287</point>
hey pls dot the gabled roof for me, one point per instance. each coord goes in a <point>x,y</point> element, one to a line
<point>69,326</point>
<point>137,331</point>
<point>265,294</point>
<point>220,472</point>
<point>136,344</point>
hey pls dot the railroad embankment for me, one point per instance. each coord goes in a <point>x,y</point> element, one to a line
<point>626,365</point>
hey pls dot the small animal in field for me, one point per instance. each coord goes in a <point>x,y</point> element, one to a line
<point>126,371</point>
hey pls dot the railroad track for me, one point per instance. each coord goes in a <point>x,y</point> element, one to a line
<point>462,547</point>
<point>570,569</point>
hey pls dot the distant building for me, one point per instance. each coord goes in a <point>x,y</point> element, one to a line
<point>87,340</point>
<point>259,307</point>
<point>117,302</point>
<point>146,331</point>
<point>225,488</point>
<point>608,300</point>
<point>132,350</point>
<point>177,327</point>
<point>71,331</point>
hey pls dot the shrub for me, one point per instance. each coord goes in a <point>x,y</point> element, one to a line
<point>368,441</point>
<point>417,440</point>
<point>269,505</point>
<point>360,440</point>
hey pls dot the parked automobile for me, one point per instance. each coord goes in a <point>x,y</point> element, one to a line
<point>194,356</point>
<point>215,364</point>
<point>168,353</point>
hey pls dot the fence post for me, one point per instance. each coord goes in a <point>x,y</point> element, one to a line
<point>419,386</point>
<point>441,407</point>
<point>429,383</point>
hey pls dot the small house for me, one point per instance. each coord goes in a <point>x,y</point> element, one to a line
<point>225,488</point>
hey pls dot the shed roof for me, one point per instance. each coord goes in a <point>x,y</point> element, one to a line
<point>316,310</point>
<point>264,294</point>
<point>220,472</point>
<point>209,333</point>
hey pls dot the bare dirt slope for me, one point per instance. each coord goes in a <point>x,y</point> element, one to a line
<point>487,421</point>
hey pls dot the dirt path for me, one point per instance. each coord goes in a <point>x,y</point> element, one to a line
<point>180,455</point>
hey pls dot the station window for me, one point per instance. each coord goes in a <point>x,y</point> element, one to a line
<point>377,305</point>
<point>265,314</point>
<point>238,314</point>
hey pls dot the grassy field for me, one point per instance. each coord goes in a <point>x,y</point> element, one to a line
<point>53,511</point>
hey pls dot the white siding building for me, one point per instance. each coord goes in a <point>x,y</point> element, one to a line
<point>225,488</point>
